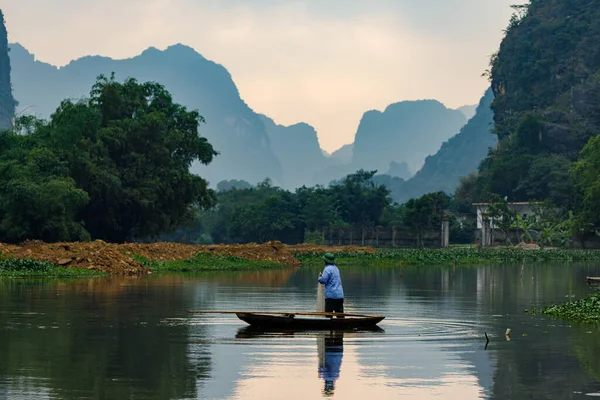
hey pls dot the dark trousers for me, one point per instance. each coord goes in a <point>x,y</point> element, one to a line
<point>334,305</point>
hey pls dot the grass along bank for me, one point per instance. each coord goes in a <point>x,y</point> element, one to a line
<point>24,267</point>
<point>585,310</point>
<point>457,255</point>
<point>207,262</point>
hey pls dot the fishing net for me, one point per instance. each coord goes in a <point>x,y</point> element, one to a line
<point>320,297</point>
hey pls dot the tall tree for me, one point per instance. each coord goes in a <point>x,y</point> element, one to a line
<point>425,213</point>
<point>7,102</point>
<point>118,162</point>
<point>140,146</point>
<point>360,199</point>
<point>318,208</point>
<point>38,198</point>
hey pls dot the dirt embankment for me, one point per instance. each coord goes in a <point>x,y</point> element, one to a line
<point>117,258</point>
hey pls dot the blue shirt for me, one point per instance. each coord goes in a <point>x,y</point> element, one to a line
<point>333,282</point>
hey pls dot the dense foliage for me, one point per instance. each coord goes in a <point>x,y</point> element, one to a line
<point>583,310</point>
<point>458,255</point>
<point>426,213</point>
<point>586,174</point>
<point>114,167</point>
<point>546,83</point>
<point>266,212</point>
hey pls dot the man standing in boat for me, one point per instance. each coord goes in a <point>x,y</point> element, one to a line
<point>334,292</point>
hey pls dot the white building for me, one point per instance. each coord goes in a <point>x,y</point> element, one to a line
<point>524,209</point>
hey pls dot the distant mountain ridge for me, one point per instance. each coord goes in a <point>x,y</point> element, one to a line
<point>252,146</point>
<point>395,141</point>
<point>232,127</point>
<point>457,158</point>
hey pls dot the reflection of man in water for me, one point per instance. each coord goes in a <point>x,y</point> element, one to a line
<point>330,360</point>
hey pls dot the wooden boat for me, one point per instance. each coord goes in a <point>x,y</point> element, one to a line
<point>291,321</point>
<point>302,320</point>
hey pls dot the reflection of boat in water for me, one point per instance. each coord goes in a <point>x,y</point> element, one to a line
<point>318,321</point>
<point>250,332</point>
<point>330,347</point>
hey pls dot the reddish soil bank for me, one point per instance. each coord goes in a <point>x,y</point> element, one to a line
<point>117,258</point>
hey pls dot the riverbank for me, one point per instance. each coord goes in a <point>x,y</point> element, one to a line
<point>140,258</point>
<point>143,258</point>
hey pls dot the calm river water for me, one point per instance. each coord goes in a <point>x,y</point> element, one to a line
<point>133,339</point>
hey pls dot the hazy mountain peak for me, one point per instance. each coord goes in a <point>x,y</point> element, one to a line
<point>17,50</point>
<point>298,151</point>
<point>150,51</point>
<point>181,48</point>
<point>200,84</point>
<point>468,111</point>
<point>457,157</point>
<point>178,50</point>
<point>7,101</point>
<point>408,105</point>
<point>89,60</point>
<point>407,131</point>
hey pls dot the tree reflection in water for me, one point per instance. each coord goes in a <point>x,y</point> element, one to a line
<point>99,338</point>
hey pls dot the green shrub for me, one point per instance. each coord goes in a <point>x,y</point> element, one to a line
<point>583,310</point>
<point>206,262</point>
<point>17,267</point>
<point>25,265</point>
<point>461,255</point>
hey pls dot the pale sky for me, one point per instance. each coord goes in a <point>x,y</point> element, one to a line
<point>323,62</point>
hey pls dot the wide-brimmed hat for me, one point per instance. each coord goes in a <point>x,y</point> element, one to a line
<point>329,258</point>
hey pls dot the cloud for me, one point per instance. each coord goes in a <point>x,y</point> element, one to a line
<point>322,62</point>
